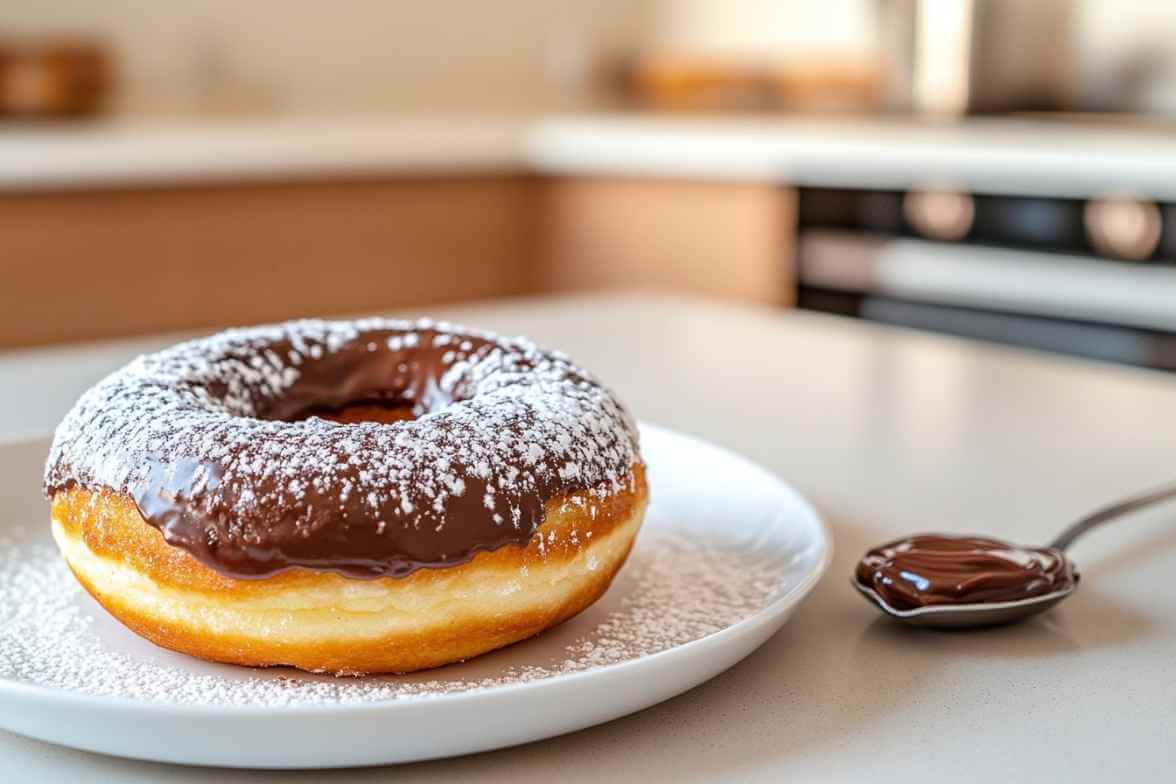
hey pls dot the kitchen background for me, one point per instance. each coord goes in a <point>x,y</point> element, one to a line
<point>1002,170</point>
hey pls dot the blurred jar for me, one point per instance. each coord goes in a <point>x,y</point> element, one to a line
<point>53,78</point>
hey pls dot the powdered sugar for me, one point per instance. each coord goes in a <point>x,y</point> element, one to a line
<point>672,592</point>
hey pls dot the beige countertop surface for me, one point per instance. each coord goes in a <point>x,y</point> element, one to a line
<point>985,155</point>
<point>887,432</point>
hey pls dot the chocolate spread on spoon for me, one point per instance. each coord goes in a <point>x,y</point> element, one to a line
<point>936,569</point>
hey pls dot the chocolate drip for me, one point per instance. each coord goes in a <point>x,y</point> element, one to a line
<point>932,569</point>
<point>240,449</point>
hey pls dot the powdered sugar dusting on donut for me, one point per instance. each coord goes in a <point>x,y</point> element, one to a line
<point>502,427</point>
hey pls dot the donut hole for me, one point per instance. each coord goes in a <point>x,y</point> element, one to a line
<point>365,381</point>
<point>371,410</point>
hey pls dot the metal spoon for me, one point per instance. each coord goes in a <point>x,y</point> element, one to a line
<point>957,616</point>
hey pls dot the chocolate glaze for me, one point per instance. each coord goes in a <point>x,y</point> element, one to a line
<point>929,569</point>
<point>224,446</point>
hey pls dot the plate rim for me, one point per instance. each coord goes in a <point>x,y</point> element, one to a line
<point>766,615</point>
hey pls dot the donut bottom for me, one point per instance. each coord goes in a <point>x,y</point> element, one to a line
<point>324,622</point>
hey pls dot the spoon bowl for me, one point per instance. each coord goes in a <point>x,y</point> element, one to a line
<point>964,614</point>
<point>967,616</point>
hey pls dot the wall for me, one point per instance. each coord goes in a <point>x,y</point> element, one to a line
<point>1128,51</point>
<point>313,56</point>
<point>340,55</point>
<point>767,28</point>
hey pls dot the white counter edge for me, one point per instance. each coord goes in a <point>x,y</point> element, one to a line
<point>984,155</point>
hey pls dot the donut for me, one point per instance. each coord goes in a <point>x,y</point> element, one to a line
<point>349,497</point>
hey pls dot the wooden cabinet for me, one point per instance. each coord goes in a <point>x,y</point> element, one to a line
<point>93,264</point>
<point>88,264</point>
<point>718,239</point>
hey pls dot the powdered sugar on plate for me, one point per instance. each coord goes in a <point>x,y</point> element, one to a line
<point>673,591</point>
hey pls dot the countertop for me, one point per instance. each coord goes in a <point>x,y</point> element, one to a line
<point>887,431</point>
<point>131,153</point>
<point>982,155</point>
<point>1002,155</point>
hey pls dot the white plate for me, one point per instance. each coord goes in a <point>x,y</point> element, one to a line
<point>727,553</point>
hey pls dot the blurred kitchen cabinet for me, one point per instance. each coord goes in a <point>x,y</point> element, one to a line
<point>90,263</point>
<point>728,240</point>
<point>87,263</point>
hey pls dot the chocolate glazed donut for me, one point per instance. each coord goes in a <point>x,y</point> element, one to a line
<point>254,454</point>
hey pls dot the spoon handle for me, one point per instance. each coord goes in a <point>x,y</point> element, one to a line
<point>1146,498</point>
